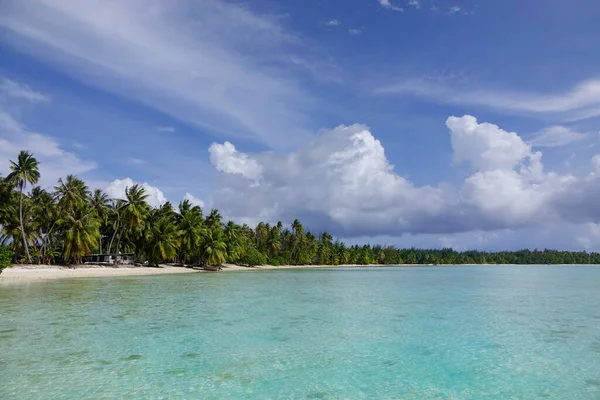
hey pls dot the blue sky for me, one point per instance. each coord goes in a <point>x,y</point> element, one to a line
<point>335,112</point>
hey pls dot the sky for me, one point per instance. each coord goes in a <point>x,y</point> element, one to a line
<point>462,123</point>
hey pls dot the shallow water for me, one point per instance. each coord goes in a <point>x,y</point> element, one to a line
<point>409,333</point>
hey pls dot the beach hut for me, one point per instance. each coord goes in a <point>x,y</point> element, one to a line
<point>110,259</point>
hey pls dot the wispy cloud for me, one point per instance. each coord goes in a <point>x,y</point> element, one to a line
<point>55,162</point>
<point>215,64</point>
<point>556,136</point>
<point>333,22</point>
<point>414,3</point>
<point>454,10</point>
<point>167,129</point>
<point>19,91</point>
<point>580,102</point>
<point>16,136</point>
<point>355,31</point>
<point>387,4</point>
<point>137,161</point>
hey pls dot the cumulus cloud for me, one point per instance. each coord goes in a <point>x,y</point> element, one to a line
<point>116,190</point>
<point>194,200</point>
<point>485,146</point>
<point>333,22</point>
<point>227,159</point>
<point>342,181</point>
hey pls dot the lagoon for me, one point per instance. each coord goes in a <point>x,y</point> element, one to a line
<point>528,332</point>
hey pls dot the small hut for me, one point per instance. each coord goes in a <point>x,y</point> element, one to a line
<point>110,259</point>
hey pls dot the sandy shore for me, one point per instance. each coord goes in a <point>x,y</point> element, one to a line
<point>33,273</point>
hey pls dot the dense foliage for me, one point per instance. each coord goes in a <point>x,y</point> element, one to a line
<point>6,256</point>
<point>71,221</point>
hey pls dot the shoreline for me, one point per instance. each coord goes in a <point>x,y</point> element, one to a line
<point>37,273</point>
<point>40,273</point>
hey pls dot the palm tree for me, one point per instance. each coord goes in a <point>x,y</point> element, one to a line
<point>213,220</point>
<point>24,171</point>
<point>297,228</point>
<point>133,212</point>
<point>213,249</point>
<point>71,193</point>
<point>45,216</point>
<point>13,228</point>
<point>5,199</point>
<point>274,241</point>
<point>135,209</point>
<point>190,225</point>
<point>81,232</point>
<point>161,241</point>
<point>232,240</point>
<point>114,218</point>
<point>101,204</point>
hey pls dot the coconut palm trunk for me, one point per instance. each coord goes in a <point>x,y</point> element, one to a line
<point>21,222</point>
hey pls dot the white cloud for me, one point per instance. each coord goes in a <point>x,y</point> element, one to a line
<point>596,161</point>
<point>333,22</point>
<point>387,4</point>
<point>54,161</point>
<point>167,129</point>
<point>194,200</point>
<point>211,63</point>
<point>485,146</point>
<point>414,3</point>
<point>15,136</point>
<point>341,179</point>
<point>116,190</point>
<point>227,159</point>
<point>19,91</point>
<point>343,182</point>
<point>136,161</point>
<point>555,136</point>
<point>355,31</point>
<point>454,9</point>
<point>581,101</point>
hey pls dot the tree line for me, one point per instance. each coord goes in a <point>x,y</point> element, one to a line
<point>63,225</point>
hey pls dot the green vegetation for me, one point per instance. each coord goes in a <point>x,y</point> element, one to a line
<point>63,225</point>
<point>6,256</point>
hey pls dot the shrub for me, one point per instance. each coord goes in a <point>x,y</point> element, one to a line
<point>253,257</point>
<point>276,261</point>
<point>6,256</point>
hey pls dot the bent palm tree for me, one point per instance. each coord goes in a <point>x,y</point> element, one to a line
<point>24,171</point>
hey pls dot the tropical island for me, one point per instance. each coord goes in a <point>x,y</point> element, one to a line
<point>63,225</point>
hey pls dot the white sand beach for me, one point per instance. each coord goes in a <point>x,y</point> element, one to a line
<point>32,273</point>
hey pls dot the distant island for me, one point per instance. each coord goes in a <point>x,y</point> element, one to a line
<point>63,226</point>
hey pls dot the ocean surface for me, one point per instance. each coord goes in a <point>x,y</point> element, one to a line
<point>356,333</point>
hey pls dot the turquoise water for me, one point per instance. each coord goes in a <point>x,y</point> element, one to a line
<point>402,333</point>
